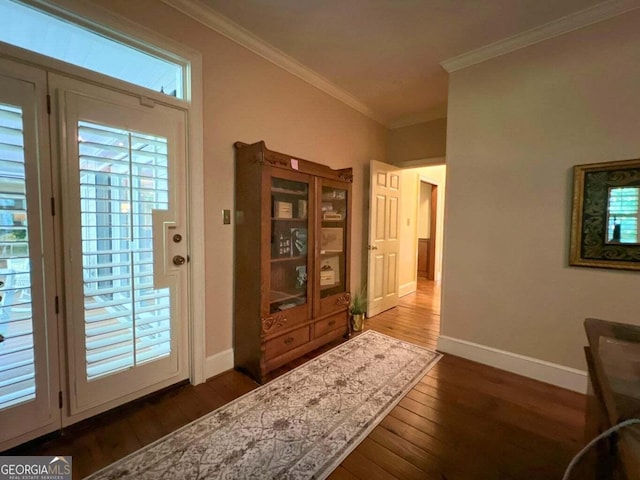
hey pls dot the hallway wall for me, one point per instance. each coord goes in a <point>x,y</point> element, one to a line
<point>517,125</point>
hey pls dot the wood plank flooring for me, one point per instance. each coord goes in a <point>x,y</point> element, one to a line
<point>462,421</point>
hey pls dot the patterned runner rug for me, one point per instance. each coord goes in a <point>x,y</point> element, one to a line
<point>299,426</point>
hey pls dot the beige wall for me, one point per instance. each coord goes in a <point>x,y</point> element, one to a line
<point>249,99</point>
<point>409,208</point>
<point>517,124</point>
<point>416,142</point>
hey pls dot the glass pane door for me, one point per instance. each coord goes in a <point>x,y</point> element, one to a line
<point>127,299</point>
<point>333,219</point>
<point>28,340</point>
<point>289,244</point>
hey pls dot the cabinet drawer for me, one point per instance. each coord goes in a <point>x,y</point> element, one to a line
<point>275,322</point>
<point>286,342</point>
<point>330,323</point>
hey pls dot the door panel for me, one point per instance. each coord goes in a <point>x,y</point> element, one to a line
<point>380,223</point>
<point>378,285</point>
<point>392,272</point>
<point>393,217</point>
<point>123,177</point>
<point>28,340</point>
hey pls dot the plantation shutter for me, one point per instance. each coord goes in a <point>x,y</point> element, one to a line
<point>123,179</point>
<point>17,369</point>
<point>623,214</point>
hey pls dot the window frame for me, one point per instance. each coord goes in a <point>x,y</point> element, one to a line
<point>161,48</point>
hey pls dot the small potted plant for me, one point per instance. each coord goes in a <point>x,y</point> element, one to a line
<point>357,309</point>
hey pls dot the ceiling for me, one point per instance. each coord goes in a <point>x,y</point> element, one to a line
<point>387,53</point>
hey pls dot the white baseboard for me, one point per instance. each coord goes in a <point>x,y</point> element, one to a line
<point>219,363</point>
<point>407,288</point>
<point>559,375</point>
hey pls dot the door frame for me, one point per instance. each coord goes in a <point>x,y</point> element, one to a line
<point>192,105</point>
<point>52,339</point>
<point>109,108</point>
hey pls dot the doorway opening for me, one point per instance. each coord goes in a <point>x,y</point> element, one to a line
<point>393,247</point>
<point>421,231</point>
<point>427,229</point>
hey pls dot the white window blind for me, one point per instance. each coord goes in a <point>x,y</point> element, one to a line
<point>123,178</point>
<point>17,373</point>
<point>623,214</point>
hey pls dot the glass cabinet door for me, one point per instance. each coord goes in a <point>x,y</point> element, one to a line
<point>333,237</point>
<point>289,244</point>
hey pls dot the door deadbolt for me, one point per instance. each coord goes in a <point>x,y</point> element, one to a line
<point>177,238</point>
<point>179,260</point>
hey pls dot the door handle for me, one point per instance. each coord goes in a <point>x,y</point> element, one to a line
<point>179,260</point>
<point>373,247</point>
<point>1,338</point>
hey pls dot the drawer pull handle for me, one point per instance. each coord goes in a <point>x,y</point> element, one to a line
<point>332,323</point>
<point>288,340</point>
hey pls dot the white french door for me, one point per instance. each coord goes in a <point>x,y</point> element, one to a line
<point>125,244</point>
<point>28,330</point>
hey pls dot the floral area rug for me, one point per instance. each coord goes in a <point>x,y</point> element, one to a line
<point>299,426</point>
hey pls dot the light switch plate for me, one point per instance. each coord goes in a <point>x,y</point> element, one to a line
<point>226,217</point>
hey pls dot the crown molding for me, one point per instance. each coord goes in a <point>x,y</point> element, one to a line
<point>589,16</point>
<point>242,36</point>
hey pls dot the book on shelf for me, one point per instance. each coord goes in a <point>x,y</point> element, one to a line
<point>334,194</point>
<point>327,206</point>
<point>301,278</point>
<point>281,246</point>
<point>331,216</point>
<point>327,278</point>
<point>282,209</point>
<point>329,270</point>
<point>298,242</point>
<point>302,209</point>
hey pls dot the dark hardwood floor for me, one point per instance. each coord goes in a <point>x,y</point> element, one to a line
<point>464,420</point>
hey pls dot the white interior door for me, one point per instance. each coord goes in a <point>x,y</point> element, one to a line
<point>384,243</point>
<point>123,177</point>
<point>28,339</point>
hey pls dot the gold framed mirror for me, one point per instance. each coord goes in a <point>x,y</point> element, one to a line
<point>606,215</point>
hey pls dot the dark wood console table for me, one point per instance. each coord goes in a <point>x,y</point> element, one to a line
<point>613,358</point>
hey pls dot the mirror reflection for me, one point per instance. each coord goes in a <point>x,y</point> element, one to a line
<point>622,215</point>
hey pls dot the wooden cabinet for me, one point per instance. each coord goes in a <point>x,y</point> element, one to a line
<point>292,244</point>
